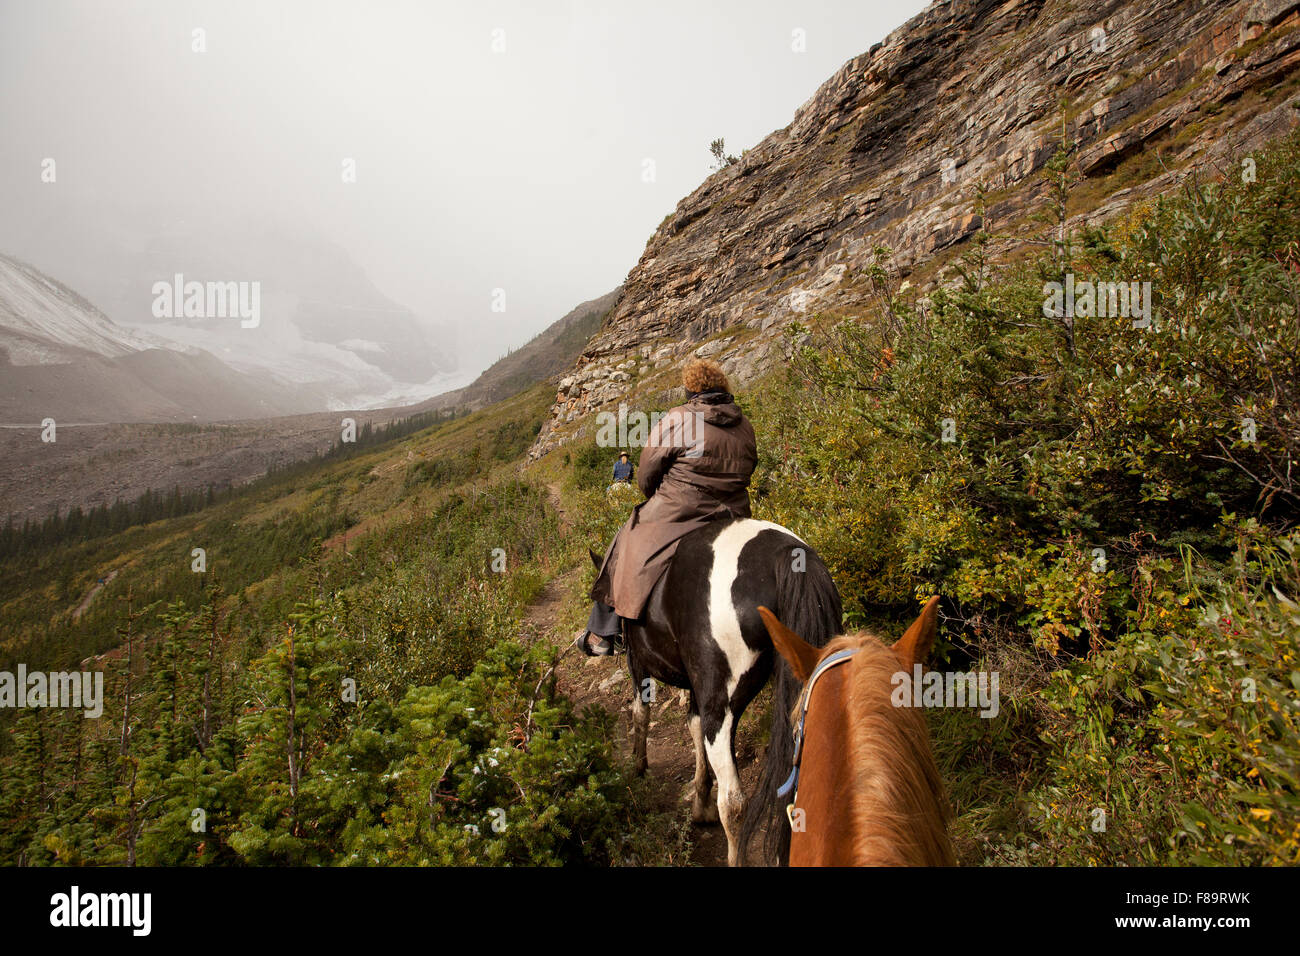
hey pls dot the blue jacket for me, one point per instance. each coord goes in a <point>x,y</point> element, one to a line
<point>622,470</point>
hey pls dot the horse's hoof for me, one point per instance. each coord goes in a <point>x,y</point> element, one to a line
<point>706,817</point>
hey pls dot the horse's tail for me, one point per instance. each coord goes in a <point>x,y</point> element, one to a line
<point>809,604</point>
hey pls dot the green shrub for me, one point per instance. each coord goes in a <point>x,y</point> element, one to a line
<point>1186,731</point>
<point>494,769</point>
<point>1048,477</point>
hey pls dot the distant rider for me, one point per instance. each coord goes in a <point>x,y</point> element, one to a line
<point>623,470</point>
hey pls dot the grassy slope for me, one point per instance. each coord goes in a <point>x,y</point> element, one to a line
<point>250,541</point>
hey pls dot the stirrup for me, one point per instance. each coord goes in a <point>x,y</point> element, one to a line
<point>606,647</point>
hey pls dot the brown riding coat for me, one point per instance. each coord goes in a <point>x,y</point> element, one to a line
<point>695,468</point>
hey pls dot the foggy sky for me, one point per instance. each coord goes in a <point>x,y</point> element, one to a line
<point>476,170</point>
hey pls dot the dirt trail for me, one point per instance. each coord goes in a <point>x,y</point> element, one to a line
<point>604,682</point>
<point>91,594</point>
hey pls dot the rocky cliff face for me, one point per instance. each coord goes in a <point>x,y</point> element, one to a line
<point>888,150</point>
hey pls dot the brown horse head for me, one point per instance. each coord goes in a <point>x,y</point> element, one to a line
<point>869,793</point>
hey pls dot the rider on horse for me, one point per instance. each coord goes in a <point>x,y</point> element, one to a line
<point>623,470</point>
<point>695,467</point>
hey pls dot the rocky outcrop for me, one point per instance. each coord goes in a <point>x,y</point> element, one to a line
<point>887,151</point>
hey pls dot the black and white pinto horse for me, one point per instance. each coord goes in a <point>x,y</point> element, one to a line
<point>701,631</point>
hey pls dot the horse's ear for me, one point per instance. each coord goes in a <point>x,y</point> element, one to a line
<point>915,646</point>
<point>595,558</point>
<point>801,656</point>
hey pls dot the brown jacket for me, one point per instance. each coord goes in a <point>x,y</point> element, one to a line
<point>695,468</point>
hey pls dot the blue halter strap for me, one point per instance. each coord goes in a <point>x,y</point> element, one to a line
<point>792,781</point>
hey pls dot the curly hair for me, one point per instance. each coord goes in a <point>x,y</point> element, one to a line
<point>700,375</point>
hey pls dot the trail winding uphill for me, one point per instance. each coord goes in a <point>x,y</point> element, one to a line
<point>92,593</point>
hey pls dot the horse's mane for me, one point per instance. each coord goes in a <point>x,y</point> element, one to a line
<point>900,808</point>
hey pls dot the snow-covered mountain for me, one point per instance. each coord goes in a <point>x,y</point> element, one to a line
<point>323,323</point>
<point>61,357</point>
<point>43,322</point>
